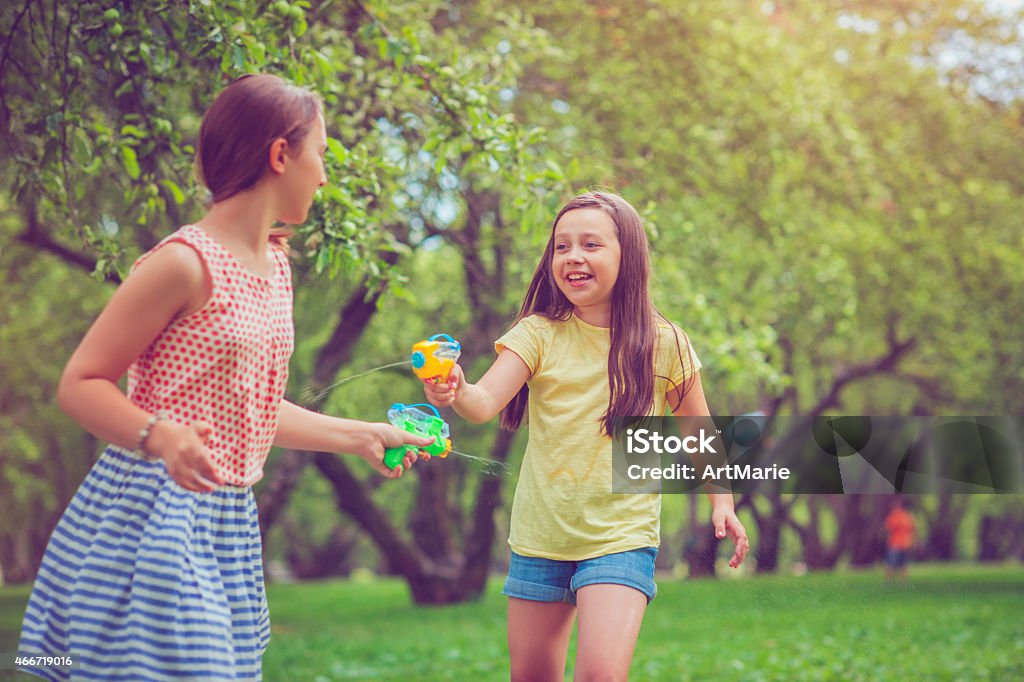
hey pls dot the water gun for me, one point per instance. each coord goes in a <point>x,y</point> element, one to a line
<point>414,420</point>
<point>432,359</point>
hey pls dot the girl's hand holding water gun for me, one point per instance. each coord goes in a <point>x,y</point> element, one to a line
<point>443,394</point>
<point>382,436</point>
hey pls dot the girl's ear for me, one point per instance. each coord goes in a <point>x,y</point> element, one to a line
<point>277,153</point>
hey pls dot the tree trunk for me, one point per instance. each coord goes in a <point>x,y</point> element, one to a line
<point>943,526</point>
<point>666,560</point>
<point>450,579</point>
<point>817,556</point>
<point>18,561</point>
<point>700,551</point>
<point>436,571</point>
<point>1000,537</point>
<point>767,552</point>
<point>332,559</point>
<point>352,498</point>
<point>864,528</point>
<point>769,530</point>
<point>990,539</point>
<point>353,320</point>
<point>480,541</point>
<point>430,522</point>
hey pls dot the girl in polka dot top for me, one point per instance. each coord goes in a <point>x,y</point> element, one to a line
<point>155,569</point>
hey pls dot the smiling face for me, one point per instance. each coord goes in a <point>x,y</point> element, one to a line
<point>585,262</point>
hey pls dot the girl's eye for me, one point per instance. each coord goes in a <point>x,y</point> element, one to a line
<point>591,245</point>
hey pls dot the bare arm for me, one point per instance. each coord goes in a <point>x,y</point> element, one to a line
<point>302,429</point>
<point>482,401</point>
<point>723,509</point>
<point>170,283</point>
<point>159,290</point>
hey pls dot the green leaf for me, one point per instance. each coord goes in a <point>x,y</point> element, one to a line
<point>237,56</point>
<point>133,131</point>
<point>130,162</point>
<point>176,193</point>
<point>323,257</point>
<point>337,149</point>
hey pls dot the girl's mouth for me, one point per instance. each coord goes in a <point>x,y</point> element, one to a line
<point>578,279</point>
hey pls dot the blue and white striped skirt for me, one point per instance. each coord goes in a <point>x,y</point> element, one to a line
<point>144,580</point>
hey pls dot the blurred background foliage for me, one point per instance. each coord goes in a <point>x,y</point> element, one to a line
<point>833,192</point>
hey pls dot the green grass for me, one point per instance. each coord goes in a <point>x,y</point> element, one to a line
<point>945,623</point>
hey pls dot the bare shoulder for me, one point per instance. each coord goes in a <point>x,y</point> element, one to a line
<point>174,270</point>
<point>173,259</point>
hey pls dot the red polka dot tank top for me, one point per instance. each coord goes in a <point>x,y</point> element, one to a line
<point>227,363</point>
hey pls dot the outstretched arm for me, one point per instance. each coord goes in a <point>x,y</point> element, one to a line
<point>302,429</point>
<point>482,401</point>
<point>723,509</point>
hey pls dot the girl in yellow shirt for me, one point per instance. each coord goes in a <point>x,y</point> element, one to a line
<point>588,346</point>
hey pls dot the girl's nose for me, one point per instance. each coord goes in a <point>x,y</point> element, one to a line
<point>575,256</point>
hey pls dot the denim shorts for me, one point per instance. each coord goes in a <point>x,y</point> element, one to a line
<point>539,579</point>
<point>896,558</point>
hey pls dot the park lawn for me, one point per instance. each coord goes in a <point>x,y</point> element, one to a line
<point>946,623</point>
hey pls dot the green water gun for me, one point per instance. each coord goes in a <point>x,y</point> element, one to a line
<point>414,420</point>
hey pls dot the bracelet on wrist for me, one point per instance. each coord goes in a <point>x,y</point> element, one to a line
<point>144,435</point>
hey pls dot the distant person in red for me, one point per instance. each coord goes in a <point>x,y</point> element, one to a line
<point>899,525</point>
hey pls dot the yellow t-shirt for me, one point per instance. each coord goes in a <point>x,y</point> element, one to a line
<point>564,508</point>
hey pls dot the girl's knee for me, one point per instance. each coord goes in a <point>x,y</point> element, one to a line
<point>538,669</point>
<point>600,671</point>
<point>604,662</point>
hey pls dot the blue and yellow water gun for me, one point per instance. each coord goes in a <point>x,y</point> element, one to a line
<point>433,359</point>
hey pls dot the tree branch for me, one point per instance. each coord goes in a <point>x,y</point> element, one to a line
<point>886,363</point>
<point>36,237</point>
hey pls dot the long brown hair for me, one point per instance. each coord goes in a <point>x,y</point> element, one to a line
<point>633,331</point>
<point>240,126</point>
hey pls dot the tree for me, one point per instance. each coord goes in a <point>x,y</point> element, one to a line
<point>42,313</point>
<point>1001,530</point>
